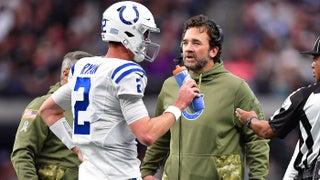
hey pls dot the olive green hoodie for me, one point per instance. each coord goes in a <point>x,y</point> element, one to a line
<point>37,152</point>
<point>210,144</point>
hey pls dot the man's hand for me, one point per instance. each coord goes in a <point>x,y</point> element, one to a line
<point>187,92</point>
<point>260,127</point>
<point>244,115</point>
<point>77,152</point>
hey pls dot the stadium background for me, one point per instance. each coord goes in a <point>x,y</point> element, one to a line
<point>262,41</point>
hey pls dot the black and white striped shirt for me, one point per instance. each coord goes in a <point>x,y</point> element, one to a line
<point>302,108</point>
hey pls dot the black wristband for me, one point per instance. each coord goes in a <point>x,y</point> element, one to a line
<point>248,122</point>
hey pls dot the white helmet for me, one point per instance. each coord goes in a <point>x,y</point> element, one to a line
<point>131,24</point>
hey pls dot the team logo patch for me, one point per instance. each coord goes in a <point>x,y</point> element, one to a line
<point>191,116</point>
<point>124,20</point>
<point>29,114</point>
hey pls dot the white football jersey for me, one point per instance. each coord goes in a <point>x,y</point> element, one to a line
<point>100,130</point>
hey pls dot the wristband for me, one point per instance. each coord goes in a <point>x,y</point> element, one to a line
<point>63,131</point>
<point>248,122</point>
<point>174,110</point>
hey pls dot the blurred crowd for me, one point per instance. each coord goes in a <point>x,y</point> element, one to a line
<point>268,40</point>
<point>262,45</point>
<point>262,40</point>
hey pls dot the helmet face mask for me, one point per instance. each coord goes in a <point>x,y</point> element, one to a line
<point>148,48</point>
<point>131,24</point>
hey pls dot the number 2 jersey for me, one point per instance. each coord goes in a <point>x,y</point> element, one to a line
<point>97,86</point>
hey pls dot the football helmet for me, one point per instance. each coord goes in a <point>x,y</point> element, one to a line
<point>131,24</point>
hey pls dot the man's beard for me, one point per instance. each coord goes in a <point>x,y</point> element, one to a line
<point>199,64</point>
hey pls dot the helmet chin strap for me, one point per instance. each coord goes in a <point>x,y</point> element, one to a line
<point>138,57</point>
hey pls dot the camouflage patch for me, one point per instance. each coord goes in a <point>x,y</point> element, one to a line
<point>51,172</point>
<point>29,114</point>
<point>228,166</point>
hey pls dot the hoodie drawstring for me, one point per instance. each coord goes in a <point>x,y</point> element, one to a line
<point>200,79</point>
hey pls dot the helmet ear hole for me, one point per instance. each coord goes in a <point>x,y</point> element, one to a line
<point>128,34</point>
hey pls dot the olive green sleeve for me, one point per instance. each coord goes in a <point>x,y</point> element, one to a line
<point>157,153</point>
<point>30,135</point>
<point>257,148</point>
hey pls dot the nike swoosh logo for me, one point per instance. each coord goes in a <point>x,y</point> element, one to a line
<point>141,75</point>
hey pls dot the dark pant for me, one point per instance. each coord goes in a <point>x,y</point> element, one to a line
<point>312,173</point>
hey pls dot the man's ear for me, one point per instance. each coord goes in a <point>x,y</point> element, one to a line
<point>66,72</point>
<point>65,75</point>
<point>213,52</point>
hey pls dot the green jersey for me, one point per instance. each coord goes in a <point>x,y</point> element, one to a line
<point>37,152</point>
<point>210,144</point>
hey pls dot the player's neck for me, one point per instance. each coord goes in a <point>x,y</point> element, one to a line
<point>119,52</point>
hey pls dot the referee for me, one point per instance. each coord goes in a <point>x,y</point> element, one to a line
<point>301,108</point>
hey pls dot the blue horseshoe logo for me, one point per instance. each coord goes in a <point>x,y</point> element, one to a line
<point>192,116</point>
<point>125,21</point>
